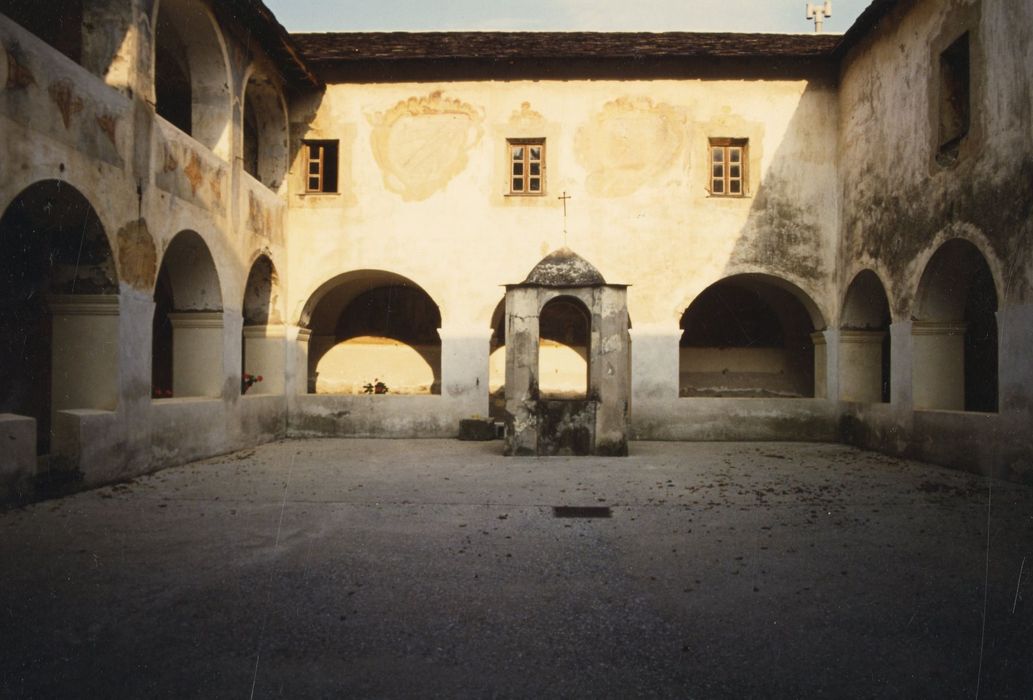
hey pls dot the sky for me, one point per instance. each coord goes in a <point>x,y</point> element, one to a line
<point>559,15</point>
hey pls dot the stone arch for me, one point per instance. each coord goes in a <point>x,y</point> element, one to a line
<point>750,335</point>
<point>955,331</point>
<point>191,73</point>
<point>864,341</point>
<point>373,324</point>
<point>188,321</point>
<point>263,351</point>
<point>58,307</point>
<point>564,337</point>
<point>264,131</point>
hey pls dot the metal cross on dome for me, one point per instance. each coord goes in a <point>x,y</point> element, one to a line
<point>564,197</point>
<point>819,13</point>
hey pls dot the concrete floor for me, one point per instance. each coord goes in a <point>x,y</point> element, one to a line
<point>334,568</point>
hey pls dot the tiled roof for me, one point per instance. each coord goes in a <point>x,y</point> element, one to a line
<point>350,47</point>
<point>261,25</point>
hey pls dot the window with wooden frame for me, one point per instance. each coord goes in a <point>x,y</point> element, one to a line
<point>526,166</point>
<point>321,166</point>
<point>728,158</point>
<point>955,98</point>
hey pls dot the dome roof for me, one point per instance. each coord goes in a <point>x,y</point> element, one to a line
<point>564,268</point>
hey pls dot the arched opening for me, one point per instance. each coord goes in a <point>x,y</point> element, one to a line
<point>186,342</point>
<point>264,148</point>
<point>59,24</point>
<point>262,344</point>
<point>864,351</point>
<point>369,326</point>
<point>564,329</point>
<point>58,307</point>
<point>748,336</point>
<point>497,363</point>
<point>191,80</point>
<point>955,332</point>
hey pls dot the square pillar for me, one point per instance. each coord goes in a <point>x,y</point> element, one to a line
<point>655,361</point>
<point>85,351</point>
<point>464,367</point>
<point>298,375</point>
<point>860,365</point>
<point>609,367</point>
<point>197,368</point>
<point>318,345</point>
<point>18,458</point>
<point>265,353</point>
<point>938,365</point>
<point>522,330</point>
<point>821,365</point>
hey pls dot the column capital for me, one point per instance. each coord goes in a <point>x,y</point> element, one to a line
<point>196,319</point>
<point>938,327</point>
<point>276,330</point>
<point>83,304</point>
<point>859,336</point>
<point>471,331</point>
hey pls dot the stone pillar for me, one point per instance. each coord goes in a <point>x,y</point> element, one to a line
<point>464,368</point>
<point>318,345</point>
<point>522,306</point>
<point>609,370</point>
<point>84,358</point>
<point>298,378</point>
<point>655,361</point>
<point>18,458</point>
<point>938,365</point>
<point>860,365</point>
<point>265,353</point>
<point>197,368</point>
<point>116,45</point>
<point>821,365</point>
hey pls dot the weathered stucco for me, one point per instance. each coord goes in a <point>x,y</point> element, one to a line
<point>902,201</point>
<point>844,174</point>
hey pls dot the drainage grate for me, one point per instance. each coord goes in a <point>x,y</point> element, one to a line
<point>581,512</point>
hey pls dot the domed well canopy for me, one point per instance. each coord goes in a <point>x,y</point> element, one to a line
<point>564,268</point>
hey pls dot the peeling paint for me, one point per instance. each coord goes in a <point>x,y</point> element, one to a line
<point>629,144</point>
<point>108,123</point>
<point>194,173</point>
<point>68,103</point>
<point>137,257</point>
<point>422,143</point>
<point>19,76</point>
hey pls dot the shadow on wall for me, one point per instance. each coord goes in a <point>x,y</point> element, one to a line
<point>58,307</point>
<point>748,335</point>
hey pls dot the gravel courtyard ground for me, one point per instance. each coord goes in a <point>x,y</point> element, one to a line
<point>434,568</point>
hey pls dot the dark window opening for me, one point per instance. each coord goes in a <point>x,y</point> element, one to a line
<point>955,98</point>
<point>251,147</point>
<point>321,166</point>
<point>172,88</point>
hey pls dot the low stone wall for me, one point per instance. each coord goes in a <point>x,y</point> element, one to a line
<point>387,416</point>
<point>813,420</point>
<point>18,457</point>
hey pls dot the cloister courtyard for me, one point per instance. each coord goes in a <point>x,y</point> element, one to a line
<point>438,568</point>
